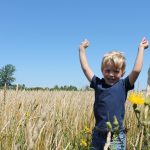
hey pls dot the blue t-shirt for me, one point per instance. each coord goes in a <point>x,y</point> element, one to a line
<point>109,101</point>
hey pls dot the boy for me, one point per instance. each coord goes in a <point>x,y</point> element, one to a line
<point>111,92</point>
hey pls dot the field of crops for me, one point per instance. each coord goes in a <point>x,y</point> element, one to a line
<point>52,120</point>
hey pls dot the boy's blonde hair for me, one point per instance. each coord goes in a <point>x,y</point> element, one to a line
<point>115,57</point>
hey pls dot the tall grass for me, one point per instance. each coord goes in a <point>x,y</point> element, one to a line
<point>51,120</point>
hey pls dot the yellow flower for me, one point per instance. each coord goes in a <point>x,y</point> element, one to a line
<point>136,97</point>
<point>87,130</point>
<point>83,143</point>
<point>27,115</point>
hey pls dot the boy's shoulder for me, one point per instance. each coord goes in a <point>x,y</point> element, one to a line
<point>96,81</point>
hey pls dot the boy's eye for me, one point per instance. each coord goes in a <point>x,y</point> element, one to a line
<point>116,71</point>
<point>107,70</point>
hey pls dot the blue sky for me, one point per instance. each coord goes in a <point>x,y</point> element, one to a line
<point>41,37</point>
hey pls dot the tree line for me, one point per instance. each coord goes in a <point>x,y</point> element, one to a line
<point>7,78</point>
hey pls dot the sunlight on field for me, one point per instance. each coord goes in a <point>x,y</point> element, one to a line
<point>53,120</point>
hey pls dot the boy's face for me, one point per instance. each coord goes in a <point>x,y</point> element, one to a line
<point>111,74</point>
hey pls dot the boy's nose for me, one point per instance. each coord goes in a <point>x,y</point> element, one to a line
<point>111,73</point>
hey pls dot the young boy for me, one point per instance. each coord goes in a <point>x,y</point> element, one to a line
<point>111,93</point>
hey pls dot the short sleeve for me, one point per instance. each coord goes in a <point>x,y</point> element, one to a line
<point>127,84</point>
<point>93,82</point>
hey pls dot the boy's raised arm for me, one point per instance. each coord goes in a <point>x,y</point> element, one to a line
<point>83,60</point>
<point>138,62</point>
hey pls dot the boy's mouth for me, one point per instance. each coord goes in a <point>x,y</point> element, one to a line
<point>111,81</point>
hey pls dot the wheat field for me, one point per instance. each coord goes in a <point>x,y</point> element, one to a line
<point>51,120</point>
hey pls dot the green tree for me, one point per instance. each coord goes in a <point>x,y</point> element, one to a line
<point>6,75</point>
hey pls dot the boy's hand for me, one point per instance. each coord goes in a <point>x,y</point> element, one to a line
<point>144,43</point>
<point>84,44</point>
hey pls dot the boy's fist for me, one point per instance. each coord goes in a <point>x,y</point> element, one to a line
<point>144,43</point>
<point>84,44</point>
